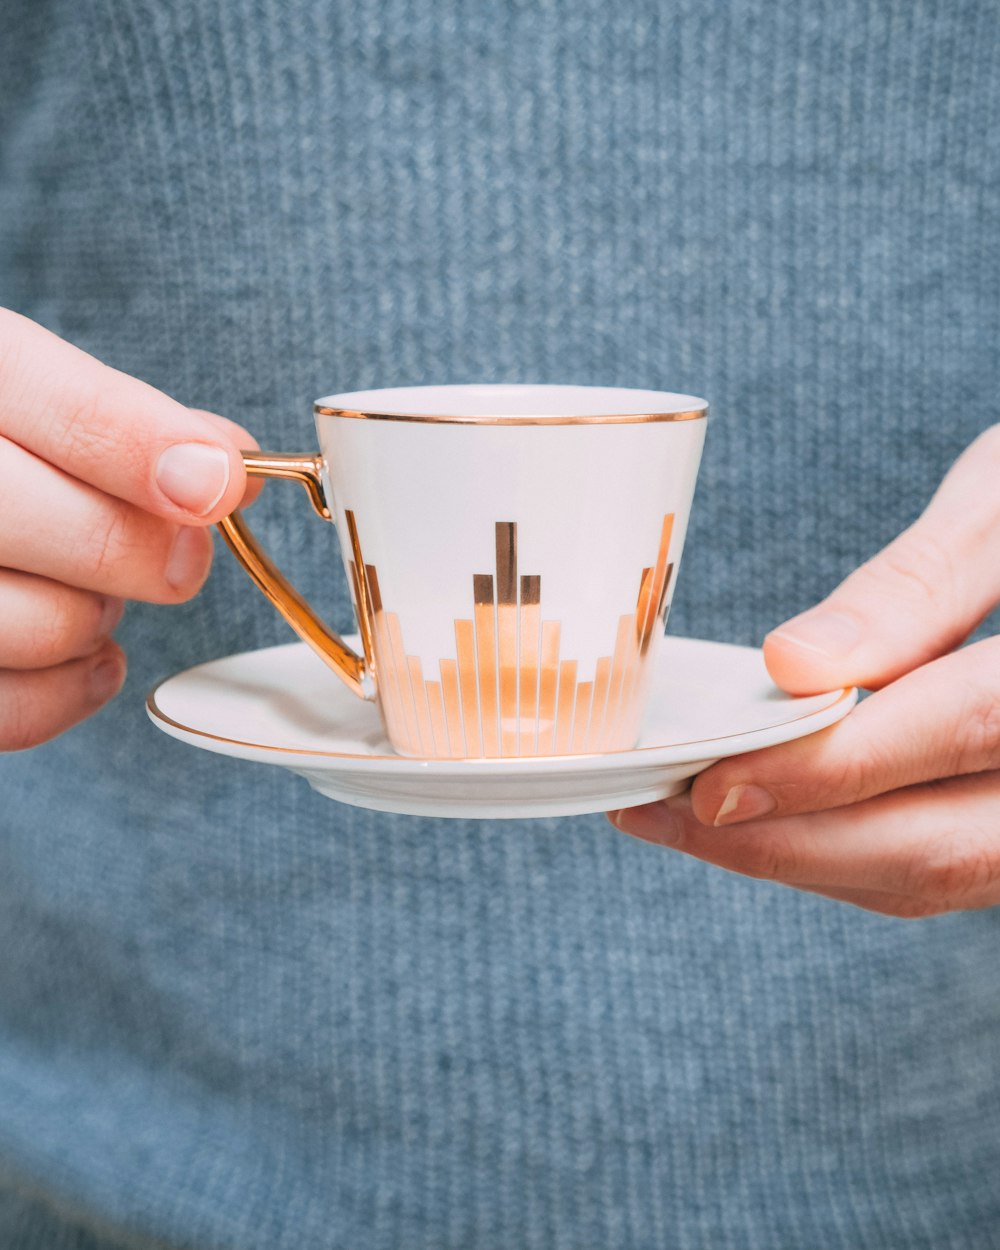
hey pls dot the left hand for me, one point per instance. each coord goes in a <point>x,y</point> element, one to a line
<point>897,807</point>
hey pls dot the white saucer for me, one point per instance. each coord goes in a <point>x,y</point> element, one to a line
<point>282,706</point>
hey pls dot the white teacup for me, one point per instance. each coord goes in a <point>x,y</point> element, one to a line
<point>512,552</point>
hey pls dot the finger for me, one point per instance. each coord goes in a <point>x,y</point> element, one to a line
<point>36,706</point>
<point>242,439</point>
<point>937,842</point>
<point>942,720</point>
<point>57,527</point>
<point>43,623</point>
<point>113,431</point>
<point>917,599</point>
<point>902,906</point>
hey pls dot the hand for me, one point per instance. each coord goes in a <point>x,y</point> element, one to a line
<point>106,489</point>
<point>897,807</point>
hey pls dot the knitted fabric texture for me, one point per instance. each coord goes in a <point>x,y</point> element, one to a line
<point>237,1016</point>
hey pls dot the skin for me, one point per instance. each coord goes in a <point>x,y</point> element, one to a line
<point>896,809</point>
<point>85,521</point>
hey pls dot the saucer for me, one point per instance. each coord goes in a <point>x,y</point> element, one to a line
<point>281,705</point>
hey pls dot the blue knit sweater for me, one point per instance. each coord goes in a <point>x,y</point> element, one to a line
<point>237,1016</point>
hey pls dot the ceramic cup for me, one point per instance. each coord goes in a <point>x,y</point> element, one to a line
<point>511,551</point>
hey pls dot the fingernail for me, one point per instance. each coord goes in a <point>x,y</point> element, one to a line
<point>186,562</point>
<point>654,822</point>
<point>744,803</point>
<point>106,679</point>
<point>111,614</point>
<point>194,476</point>
<point>832,634</point>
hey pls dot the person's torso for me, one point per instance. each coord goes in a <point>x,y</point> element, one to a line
<point>235,1014</point>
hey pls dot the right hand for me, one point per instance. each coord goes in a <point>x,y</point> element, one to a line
<point>107,489</point>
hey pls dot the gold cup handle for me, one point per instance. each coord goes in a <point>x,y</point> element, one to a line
<point>350,667</point>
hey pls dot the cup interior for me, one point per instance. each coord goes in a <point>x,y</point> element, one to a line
<point>492,401</point>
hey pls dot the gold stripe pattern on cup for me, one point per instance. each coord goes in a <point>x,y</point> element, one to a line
<point>508,691</point>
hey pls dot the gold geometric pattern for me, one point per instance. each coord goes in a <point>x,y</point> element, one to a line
<point>507,691</point>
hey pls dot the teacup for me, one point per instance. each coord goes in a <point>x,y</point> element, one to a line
<point>512,551</point>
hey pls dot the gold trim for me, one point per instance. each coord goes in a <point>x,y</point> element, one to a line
<point>468,682</point>
<point>484,612</point>
<point>507,626</point>
<point>305,469</point>
<point>624,643</point>
<point>548,686</point>
<point>602,683</point>
<point>387,678</point>
<point>530,635</point>
<point>439,726</point>
<point>477,761</point>
<point>401,668</point>
<point>421,703</point>
<point>622,418</point>
<point>565,706</point>
<point>581,715</point>
<point>364,613</point>
<point>351,668</point>
<point>452,706</point>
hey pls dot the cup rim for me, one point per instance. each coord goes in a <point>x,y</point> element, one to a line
<point>570,404</point>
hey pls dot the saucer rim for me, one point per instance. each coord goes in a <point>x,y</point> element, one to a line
<point>532,763</point>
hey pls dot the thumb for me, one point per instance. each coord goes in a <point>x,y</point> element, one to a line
<point>917,599</point>
<point>243,439</point>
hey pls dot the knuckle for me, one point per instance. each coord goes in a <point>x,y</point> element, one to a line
<point>71,619</point>
<point>109,543</point>
<point>918,565</point>
<point>86,435</point>
<point>844,766</point>
<point>955,869</point>
<point>52,632</point>
<point>977,744</point>
<point>768,857</point>
<point>83,434</point>
<point>75,423</point>
<point>861,772</point>
<point>20,729</point>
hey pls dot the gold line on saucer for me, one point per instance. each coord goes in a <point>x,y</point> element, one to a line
<point>158,714</point>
